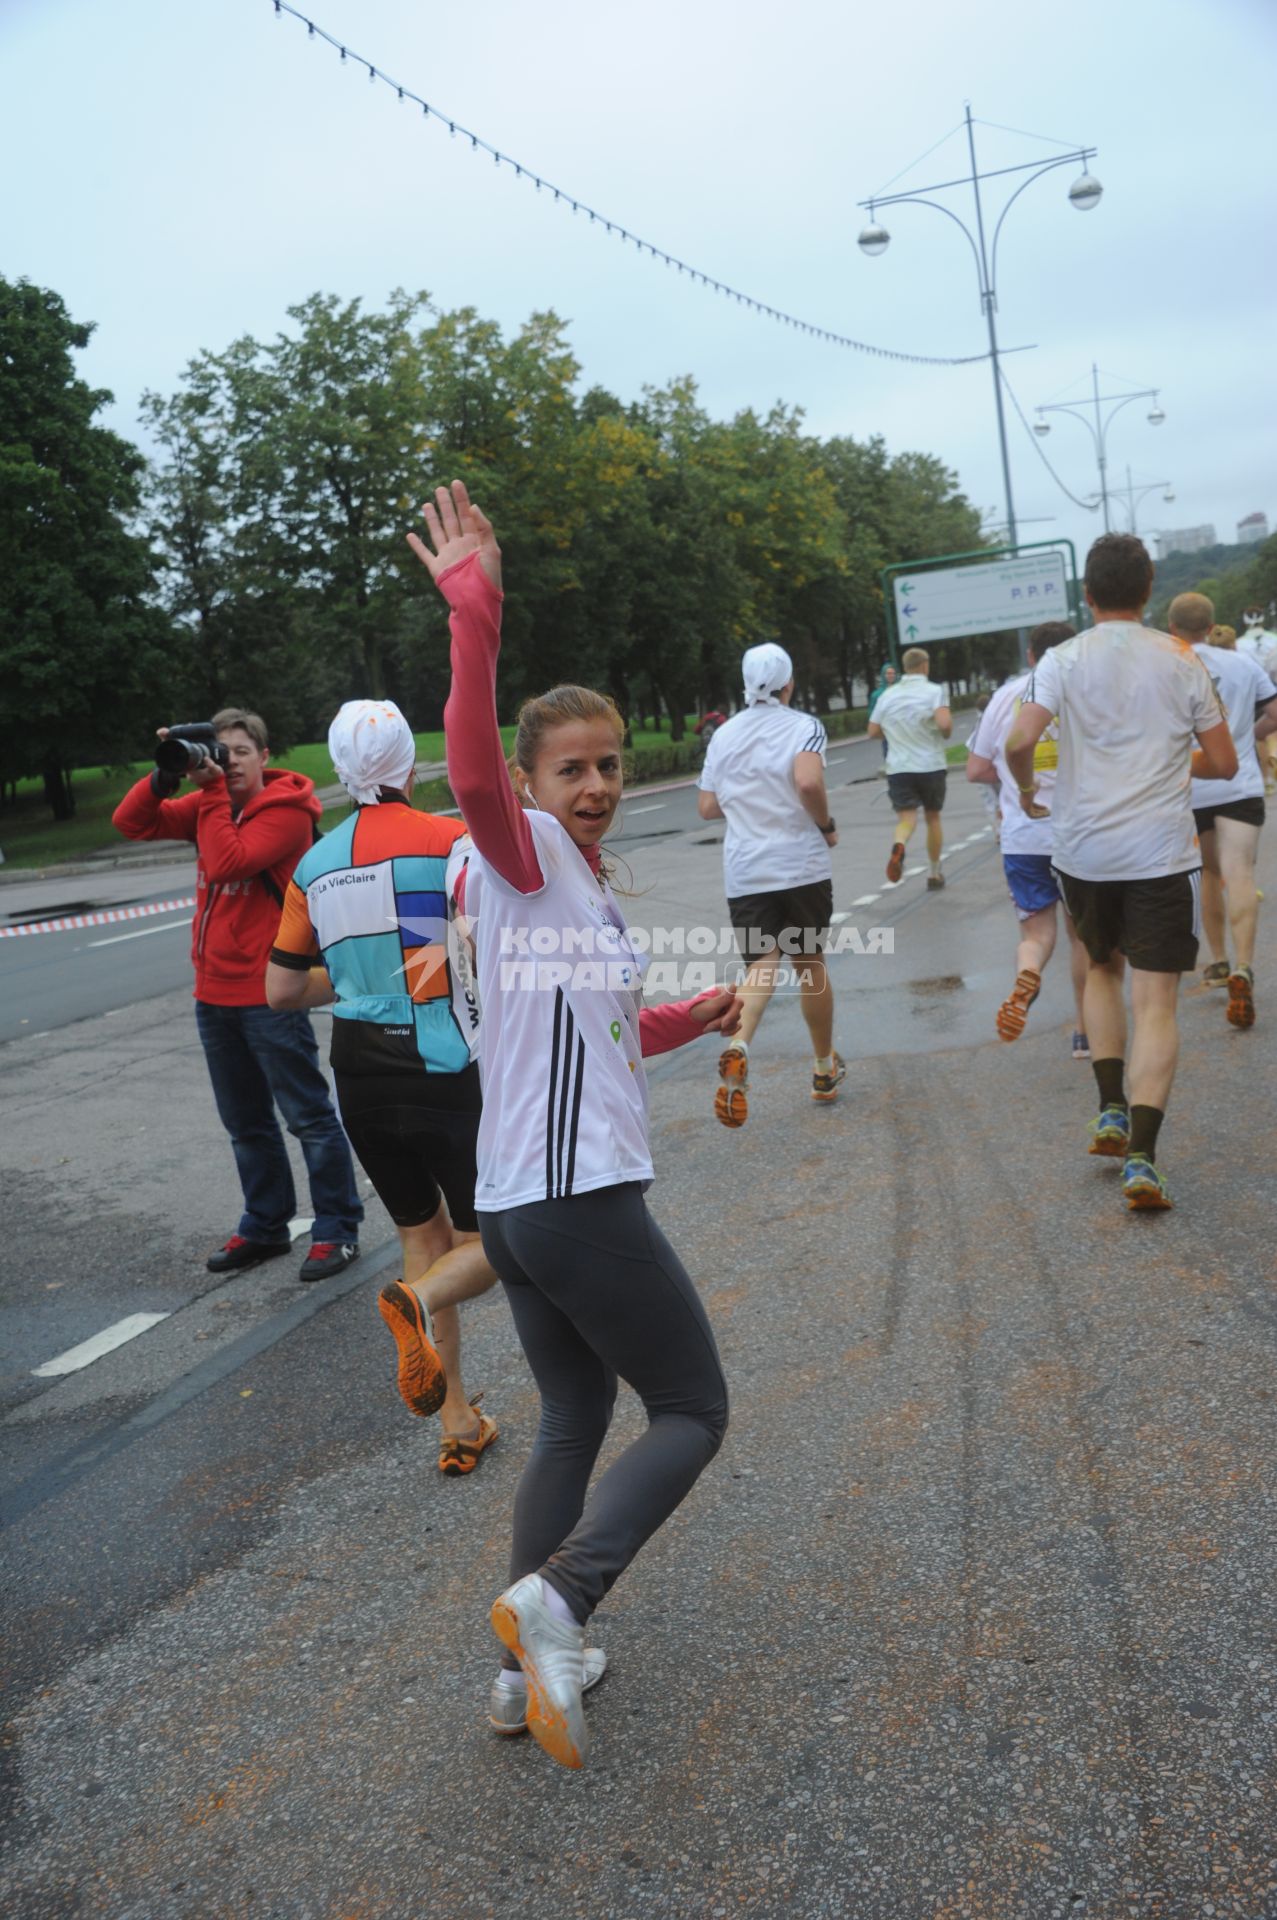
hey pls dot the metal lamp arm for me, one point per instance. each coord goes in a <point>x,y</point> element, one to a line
<point>1048,166</point>
<point>1076,414</point>
<point>912,200</point>
<point>1111,416</point>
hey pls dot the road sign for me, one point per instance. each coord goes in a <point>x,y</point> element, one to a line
<point>948,602</point>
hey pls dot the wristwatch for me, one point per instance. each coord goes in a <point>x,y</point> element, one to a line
<point>830,826</point>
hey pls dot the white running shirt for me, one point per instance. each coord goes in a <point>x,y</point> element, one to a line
<point>1241,683</point>
<point>1130,701</point>
<point>906,714</point>
<point>1019,833</point>
<point>771,843</point>
<point>559,988</point>
<point>1260,645</point>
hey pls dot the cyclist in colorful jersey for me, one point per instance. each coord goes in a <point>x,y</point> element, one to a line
<point>366,924</point>
<point>1026,846</point>
<point>1230,813</point>
<point>595,1289</point>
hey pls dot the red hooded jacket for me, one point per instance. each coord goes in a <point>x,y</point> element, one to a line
<point>237,912</point>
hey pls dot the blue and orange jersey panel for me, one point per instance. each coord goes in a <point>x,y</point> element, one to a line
<point>370,901</point>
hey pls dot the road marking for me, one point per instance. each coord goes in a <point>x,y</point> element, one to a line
<point>302,1224</point>
<point>836,919</point>
<point>865,900</point>
<point>115,939</point>
<point>654,808</point>
<point>912,872</point>
<point>105,1342</point>
<point>103,919</point>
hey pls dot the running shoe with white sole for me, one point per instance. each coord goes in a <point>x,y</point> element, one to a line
<point>824,1086</point>
<point>552,1654</point>
<point>1111,1133</point>
<point>1014,1010</point>
<point>508,1706</point>
<point>1143,1185</point>
<point>1241,998</point>
<point>1081,1047</point>
<point>731,1100</point>
<point>1216,974</point>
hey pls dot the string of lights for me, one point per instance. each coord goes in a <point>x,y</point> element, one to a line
<point>613,227</point>
<point>1089,506</point>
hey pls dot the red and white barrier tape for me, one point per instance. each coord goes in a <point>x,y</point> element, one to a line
<point>103,919</point>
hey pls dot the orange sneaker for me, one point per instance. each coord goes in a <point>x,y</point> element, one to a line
<point>896,862</point>
<point>1014,1011</point>
<point>731,1101</point>
<point>422,1380</point>
<point>1241,998</point>
<point>459,1452</point>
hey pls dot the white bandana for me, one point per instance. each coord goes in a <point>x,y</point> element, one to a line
<point>371,746</point>
<point>766,670</point>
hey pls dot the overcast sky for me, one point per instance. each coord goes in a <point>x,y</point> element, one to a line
<point>182,173</point>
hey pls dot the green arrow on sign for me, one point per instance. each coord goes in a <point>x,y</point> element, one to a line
<point>906,586</point>
<point>911,630</point>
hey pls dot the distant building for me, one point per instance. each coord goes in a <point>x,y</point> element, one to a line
<point>1184,540</point>
<point>1252,529</point>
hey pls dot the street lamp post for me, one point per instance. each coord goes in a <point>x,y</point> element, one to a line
<point>1099,432</point>
<point>1135,496</point>
<point>874,240</point>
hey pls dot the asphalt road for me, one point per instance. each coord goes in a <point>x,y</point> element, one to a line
<point>971,1617</point>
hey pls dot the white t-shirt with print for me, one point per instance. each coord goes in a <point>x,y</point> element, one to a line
<point>1242,684</point>
<point>1019,832</point>
<point>1130,701</point>
<point>558,988</point>
<point>771,842</point>
<point>906,713</point>
<point>1261,645</point>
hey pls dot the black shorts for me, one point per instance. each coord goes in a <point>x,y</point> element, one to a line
<point>1249,812</point>
<point>909,790</point>
<point>796,919</point>
<point>411,1145</point>
<point>1155,923</point>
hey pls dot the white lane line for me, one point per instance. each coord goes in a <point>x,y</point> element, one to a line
<point>302,1224</point>
<point>836,919</point>
<point>865,900</point>
<point>956,846</point>
<point>654,807</point>
<point>170,926</point>
<point>912,872</point>
<point>105,1342</point>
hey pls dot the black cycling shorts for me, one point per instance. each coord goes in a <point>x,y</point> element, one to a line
<point>412,1146</point>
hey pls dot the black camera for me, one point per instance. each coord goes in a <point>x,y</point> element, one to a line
<point>187,748</point>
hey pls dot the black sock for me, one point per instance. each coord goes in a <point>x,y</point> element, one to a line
<point>1145,1124</point>
<point>1110,1079</point>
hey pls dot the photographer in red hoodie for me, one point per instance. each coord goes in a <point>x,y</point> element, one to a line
<point>251,825</point>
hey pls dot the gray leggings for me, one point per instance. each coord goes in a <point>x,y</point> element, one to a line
<point>596,1290</point>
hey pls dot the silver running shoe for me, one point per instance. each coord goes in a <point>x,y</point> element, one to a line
<point>552,1654</point>
<point>508,1706</point>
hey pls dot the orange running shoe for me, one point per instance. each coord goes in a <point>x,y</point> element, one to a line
<point>731,1101</point>
<point>896,862</point>
<point>1241,998</point>
<point>459,1452</point>
<point>1014,1011</point>
<point>422,1380</point>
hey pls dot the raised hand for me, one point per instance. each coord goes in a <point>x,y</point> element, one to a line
<point>456,528</point>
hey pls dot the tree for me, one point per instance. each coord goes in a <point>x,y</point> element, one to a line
<point>80,642</point>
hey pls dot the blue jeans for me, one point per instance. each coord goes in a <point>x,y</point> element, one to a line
<point>257,1060</point>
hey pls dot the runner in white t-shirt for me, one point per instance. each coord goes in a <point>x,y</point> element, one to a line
<point>914,719</point>
<point>764,774</point>
<point>1130,702</point>
<point>1026,846</point>
<point>1229,813</point>
<point>595,1289</point>
<point>1260,642</point>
